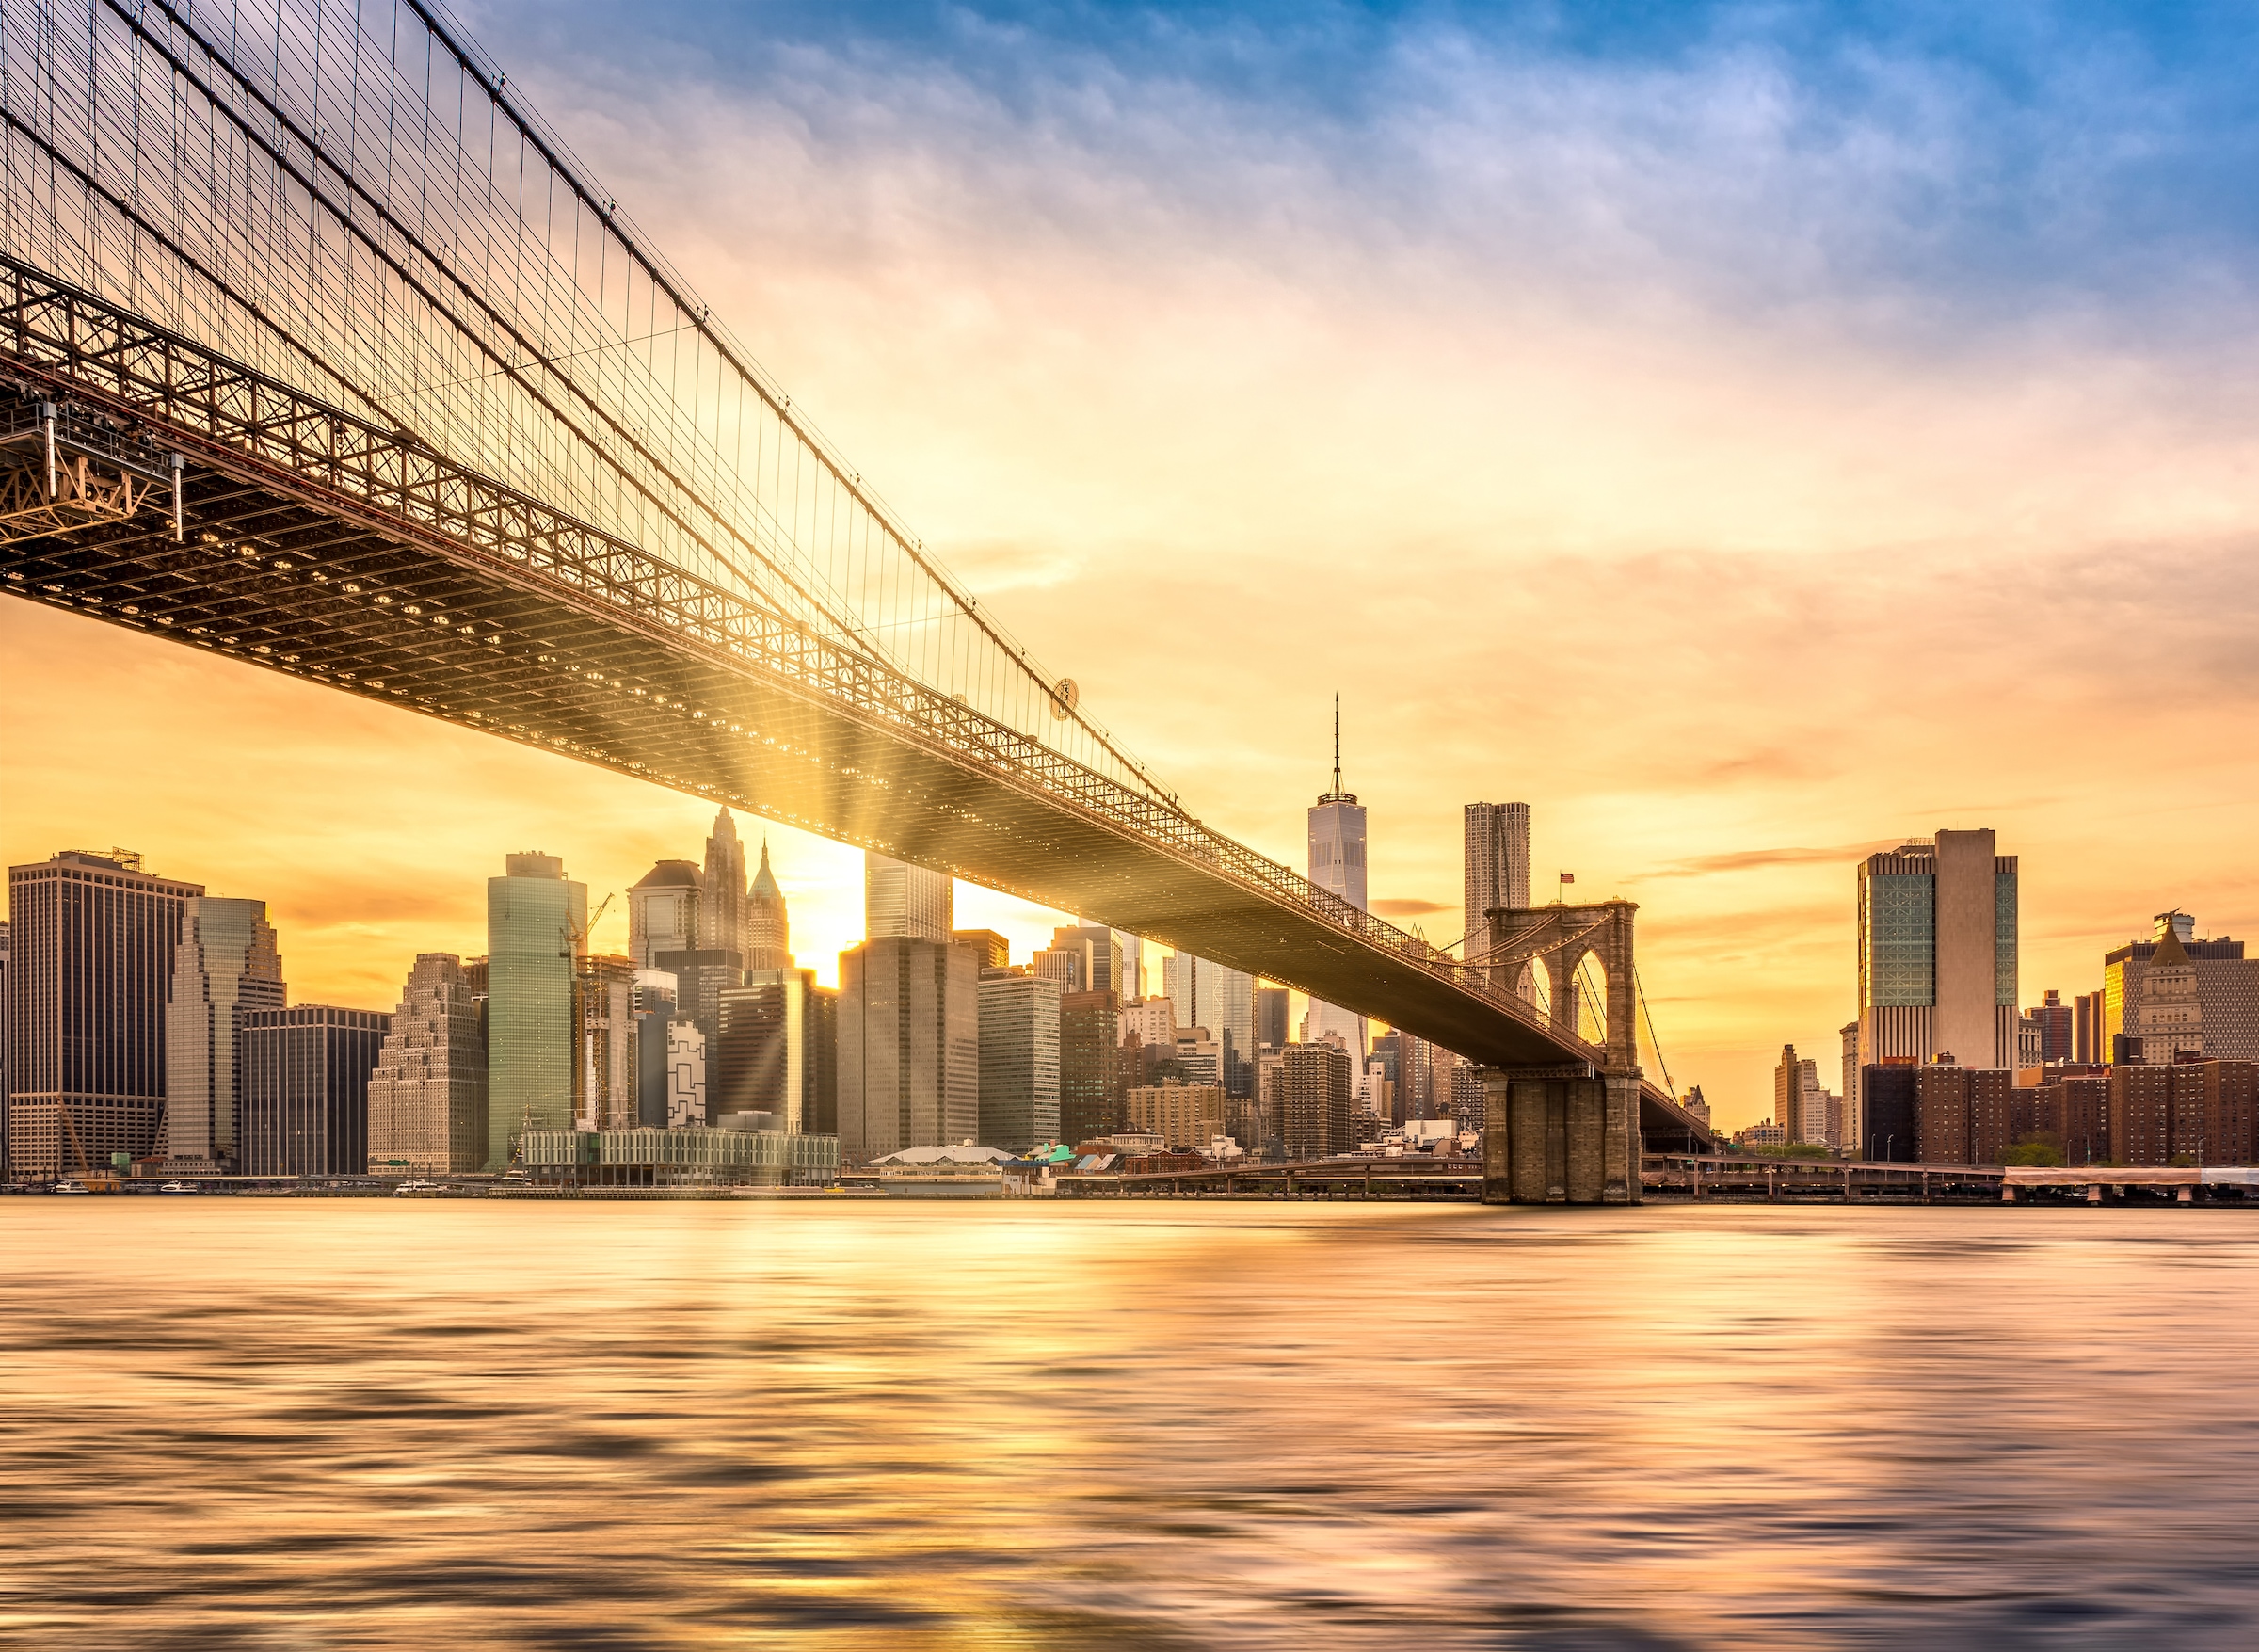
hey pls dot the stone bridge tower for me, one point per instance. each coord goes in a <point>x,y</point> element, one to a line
<point>1568,1132</point>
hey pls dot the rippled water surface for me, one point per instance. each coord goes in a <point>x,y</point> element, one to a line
<point>301,1423</point>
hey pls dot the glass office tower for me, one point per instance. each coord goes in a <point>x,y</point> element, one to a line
<point>1937,956</point>
<point>536,926</point>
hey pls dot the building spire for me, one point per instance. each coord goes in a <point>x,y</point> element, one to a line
<point>1336,795</point>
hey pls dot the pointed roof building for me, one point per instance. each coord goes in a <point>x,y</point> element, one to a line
<point>722,904</point>
<point>2171,1021</point>
<point>767,929</point>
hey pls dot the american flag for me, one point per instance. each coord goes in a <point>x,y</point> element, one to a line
<point>1568,877</point>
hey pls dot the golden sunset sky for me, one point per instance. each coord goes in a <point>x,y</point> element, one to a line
<point>1748,442</point>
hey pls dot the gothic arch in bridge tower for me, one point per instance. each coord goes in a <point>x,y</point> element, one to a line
<point>1564,947</point>
<point>1569,1132</point>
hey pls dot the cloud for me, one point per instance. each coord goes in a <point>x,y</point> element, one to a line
<point>1410,908</point>
<point>1752,860</point>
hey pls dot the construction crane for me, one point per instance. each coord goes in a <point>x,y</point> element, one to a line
<point>576,940</point>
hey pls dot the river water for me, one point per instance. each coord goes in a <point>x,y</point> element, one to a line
<point>316,1423</point>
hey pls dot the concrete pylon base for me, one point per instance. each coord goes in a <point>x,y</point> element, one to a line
<point>1560,1135</point>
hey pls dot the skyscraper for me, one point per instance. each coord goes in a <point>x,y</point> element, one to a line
<point>1020,1059</point>
<point>537,928</point>
<point>1497,862</point>
<point>2054,1017</point>
<point>663,912</point>
<point>306,1089</point>
<point>227,963</point>
<point>1798,1103</point>
<point>1271,1017</point>
<point>1104,953</point>
<point>909,1041</point>
<point>1220,999</point>
<point>902,899</point>
<point>780,1051</point>
<point>1133,966</point>
<point>993,949</point>
<point>5,955</point>
<point>427,1094</point>
<point>767,928</point>
<point>1091,1064</point>
<point>654,997</point>
<point>1310,1098</point>
<point>1937,956</point>
<point>1337,866</point>
<point>1848,1058</point>
<point>607,1076</point>
<point>1070,966</point>
<point>92,942</point>
<point>722,889</point>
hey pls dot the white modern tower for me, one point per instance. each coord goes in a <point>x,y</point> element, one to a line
<point>1337,866</point>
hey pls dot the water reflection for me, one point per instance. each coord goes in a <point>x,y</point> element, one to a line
<point>349,1423</point>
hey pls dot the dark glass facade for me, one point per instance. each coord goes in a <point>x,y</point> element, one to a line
<point>1092,1065</point>
<point>306,1089</point>
<point>92,943</point>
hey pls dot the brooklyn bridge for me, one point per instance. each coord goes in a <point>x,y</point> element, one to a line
<point>325,353</point>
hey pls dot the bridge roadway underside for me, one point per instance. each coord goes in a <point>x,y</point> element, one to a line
<point>286,574</point>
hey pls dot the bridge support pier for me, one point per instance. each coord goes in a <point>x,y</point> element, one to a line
<point>1560,1135</point>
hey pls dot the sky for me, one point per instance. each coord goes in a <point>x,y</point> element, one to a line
<point>1750,434</point>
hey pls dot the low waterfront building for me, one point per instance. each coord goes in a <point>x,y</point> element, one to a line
<point>1962,1114</point>
<point>2190,1113</point>
<point>693,1156</point>
<point>1888,1118</point>
<point>963,1170</point>
<point>2070,1112</point>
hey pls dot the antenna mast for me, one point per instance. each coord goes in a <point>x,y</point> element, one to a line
<point>1336,795</point>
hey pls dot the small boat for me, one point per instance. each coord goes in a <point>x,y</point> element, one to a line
<point>72,1187</point>
<point>179,1187</point>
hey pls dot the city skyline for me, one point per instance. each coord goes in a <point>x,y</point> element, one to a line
<point>1684,571</point>
<point>1019,922</point>
<point>1730,503</point>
